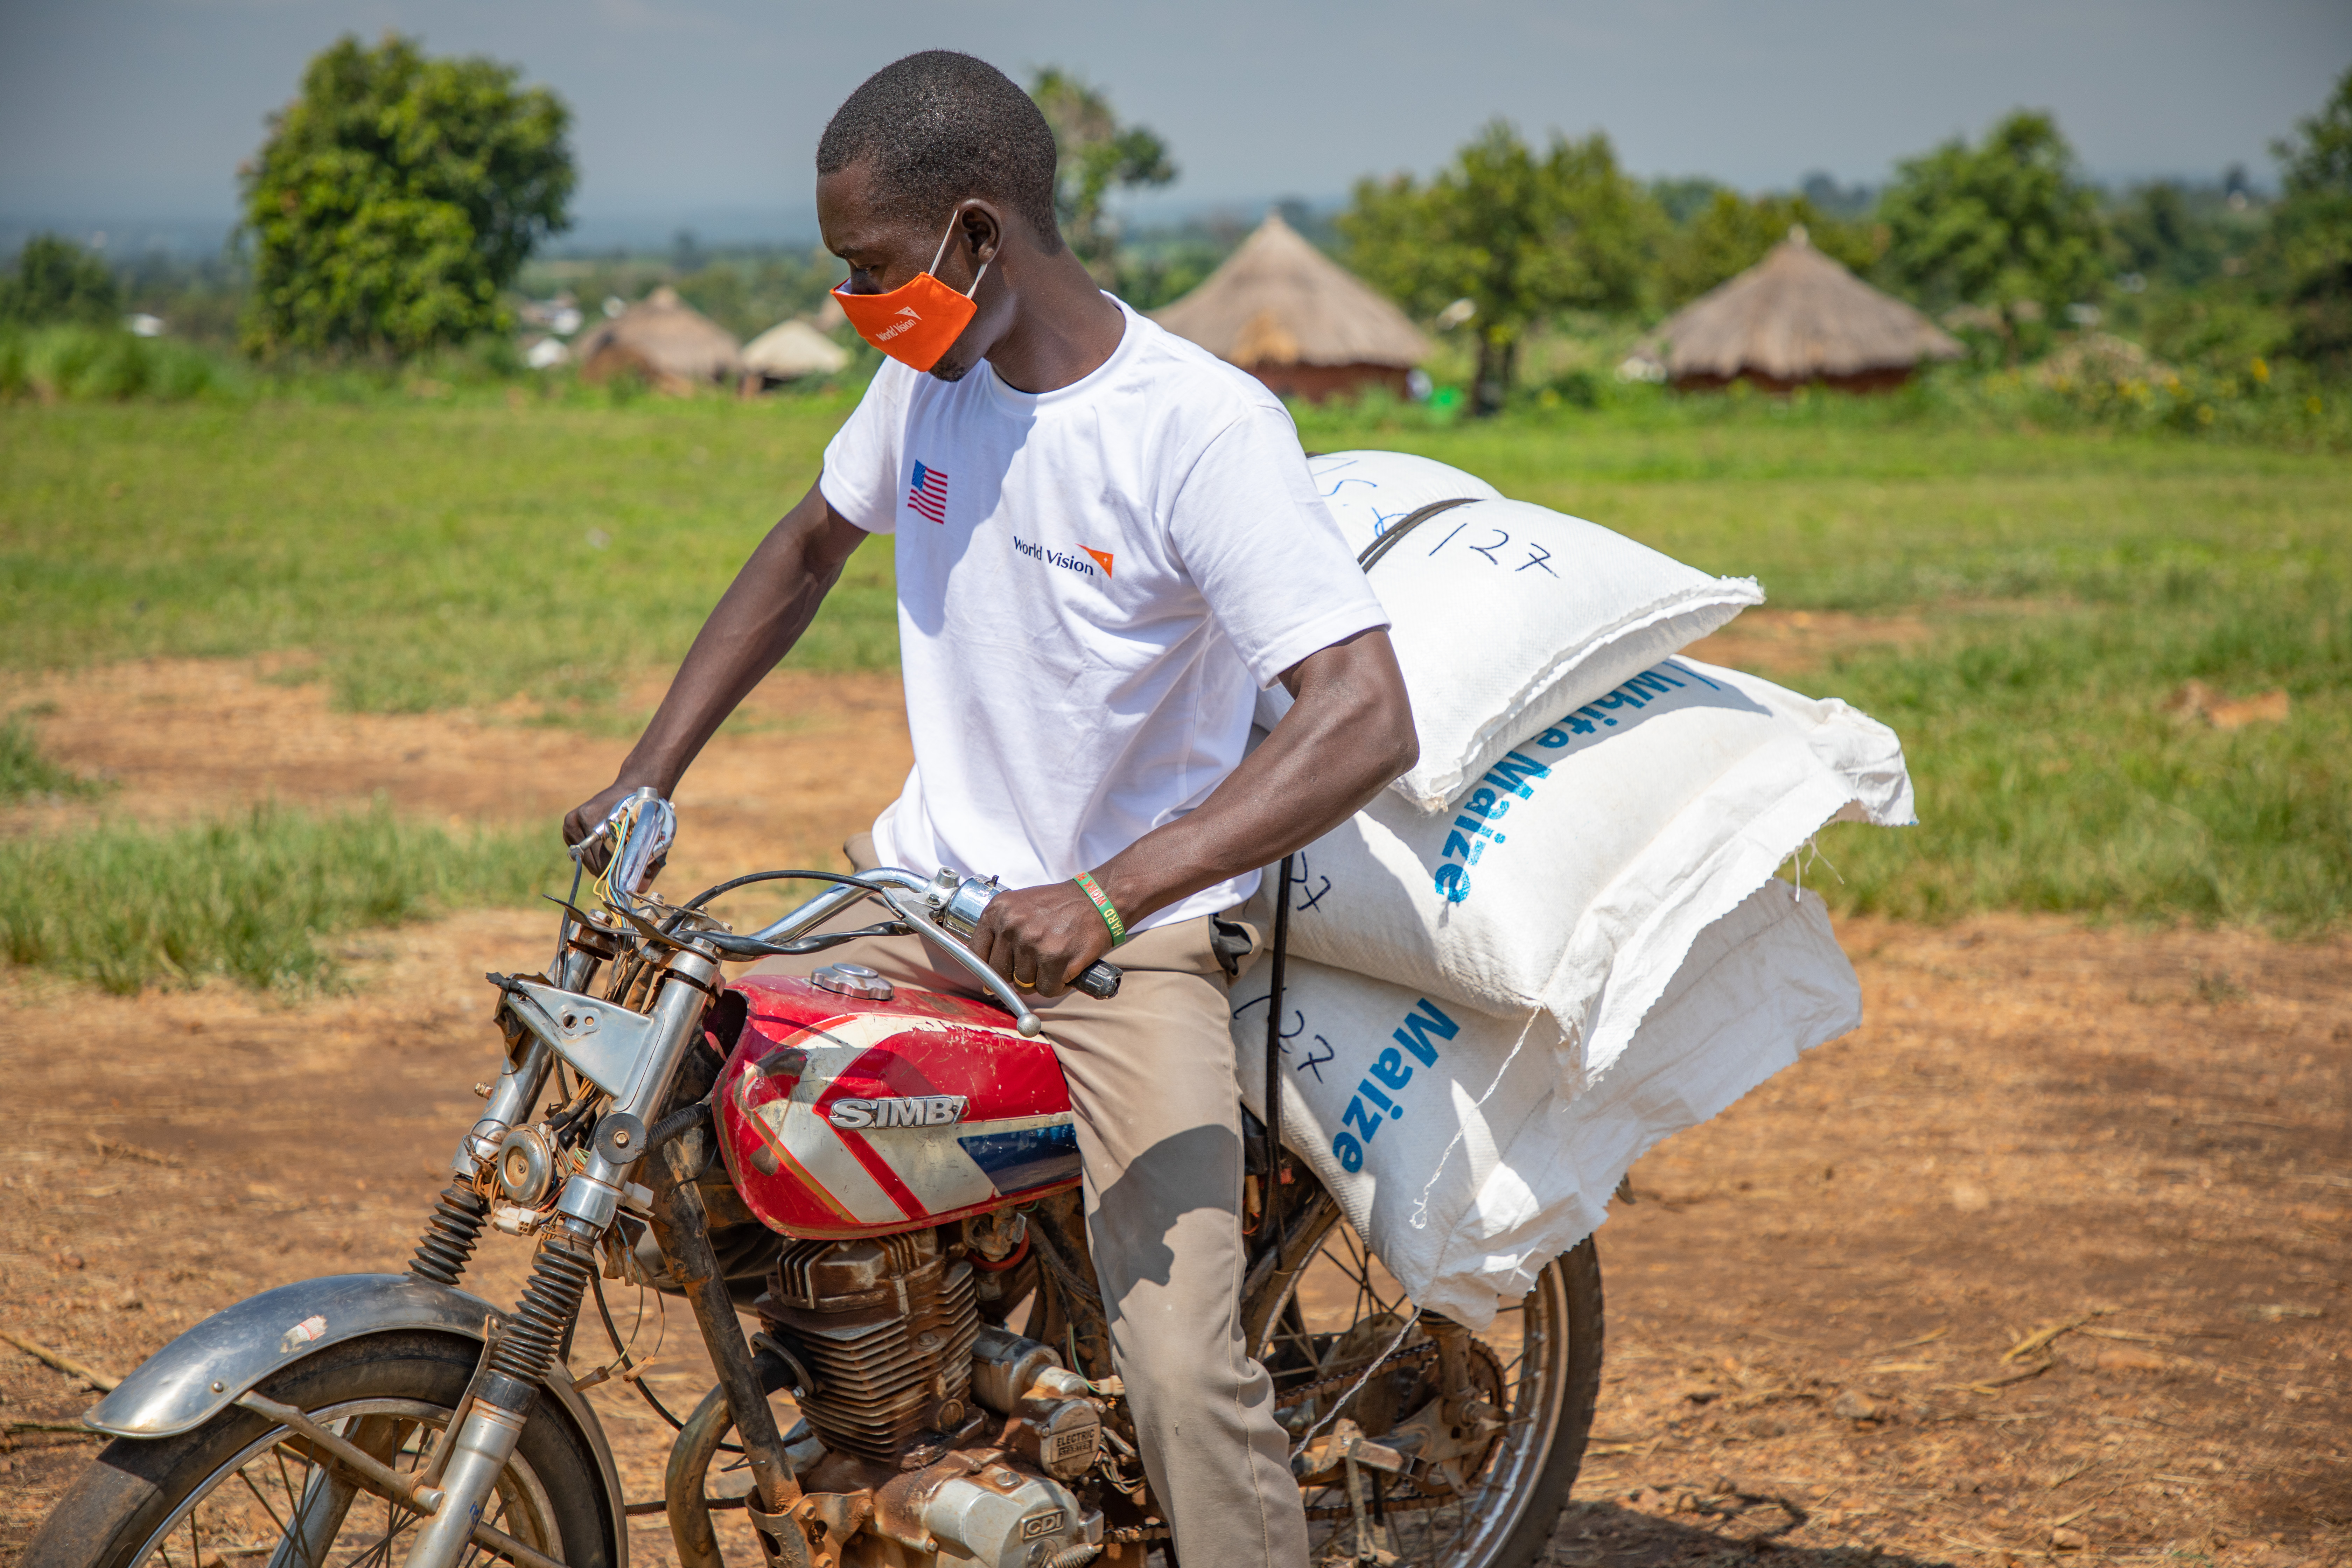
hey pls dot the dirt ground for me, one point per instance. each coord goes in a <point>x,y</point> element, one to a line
<point>2138,1139</point>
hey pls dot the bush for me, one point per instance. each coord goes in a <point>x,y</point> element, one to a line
<point>108,364</point>
<point>25,771</point>
<point>57,280</point>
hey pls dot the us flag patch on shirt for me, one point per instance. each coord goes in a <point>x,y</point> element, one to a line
<point>928,494</point>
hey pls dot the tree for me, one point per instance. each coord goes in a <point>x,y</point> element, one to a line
<point>57,280</point>
<point>2008,221</point>
<point>1682,198</point>
<point>1097,154</point>
<point>396,197</point>
<point>1520,237</point>
<point>1732,234</point>
<point>2311,235</point>
<point>2159,234</point>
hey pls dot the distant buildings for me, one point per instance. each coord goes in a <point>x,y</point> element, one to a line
<point>790,350</point>
<point>1299,321</point>
<point>665,340</point>
<point>1795,318</point>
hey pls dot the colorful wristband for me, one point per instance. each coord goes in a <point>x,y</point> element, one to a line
<point>1102,907</point>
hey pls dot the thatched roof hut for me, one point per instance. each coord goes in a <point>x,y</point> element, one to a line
<point>665,340</point>
<point>789,350</point>
<point>1296,319</point>
<point>1797,317</point>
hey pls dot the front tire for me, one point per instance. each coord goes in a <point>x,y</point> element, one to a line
<point>233,1485</point>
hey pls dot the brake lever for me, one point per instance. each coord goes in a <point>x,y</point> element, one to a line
<point>1026,1022</point>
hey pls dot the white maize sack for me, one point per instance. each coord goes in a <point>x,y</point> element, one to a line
<point>1573,877</point>
<point>1504,612</point>
<point>1369,493</point>
<point>1440,1131</point>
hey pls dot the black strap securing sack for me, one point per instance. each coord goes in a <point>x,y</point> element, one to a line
<point>1271,1174</point>
<point>1390,537</point>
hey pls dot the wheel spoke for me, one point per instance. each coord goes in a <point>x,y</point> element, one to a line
<point>264,1502</point>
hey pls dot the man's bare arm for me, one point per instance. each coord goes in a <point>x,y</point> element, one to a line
<point>1349,733</point>
<point>755,624</point>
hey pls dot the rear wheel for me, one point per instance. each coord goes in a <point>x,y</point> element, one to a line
<point>1498,1483</point>
<point>237,1493</point>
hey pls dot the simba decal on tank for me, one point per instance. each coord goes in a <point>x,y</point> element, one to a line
<point>843,1116</point>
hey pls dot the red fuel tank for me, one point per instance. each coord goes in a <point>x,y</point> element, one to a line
<point>838,1116</point>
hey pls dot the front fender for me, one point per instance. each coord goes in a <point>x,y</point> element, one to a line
<point>208,1368</point>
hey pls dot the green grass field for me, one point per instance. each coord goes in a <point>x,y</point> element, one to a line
<point>252,899</point>
<point>431,555</point>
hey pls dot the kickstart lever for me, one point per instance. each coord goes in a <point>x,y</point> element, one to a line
<point>957,903</point>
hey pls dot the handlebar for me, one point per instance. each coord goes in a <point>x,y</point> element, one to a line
<point>946,907</point>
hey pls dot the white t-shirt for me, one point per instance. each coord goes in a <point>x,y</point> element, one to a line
<point>1093,583</point>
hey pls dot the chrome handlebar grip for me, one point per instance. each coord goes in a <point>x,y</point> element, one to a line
<point>959,912</point>
<point>652,828</point>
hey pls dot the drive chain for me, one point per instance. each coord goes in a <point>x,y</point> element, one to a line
<point>1288,1398</point>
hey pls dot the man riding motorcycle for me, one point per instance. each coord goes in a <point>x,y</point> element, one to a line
<point>1105,542</point>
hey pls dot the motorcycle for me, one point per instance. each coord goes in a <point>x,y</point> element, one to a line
<point>911,1159</point>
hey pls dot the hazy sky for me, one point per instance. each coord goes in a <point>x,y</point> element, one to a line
<point>134,109</point>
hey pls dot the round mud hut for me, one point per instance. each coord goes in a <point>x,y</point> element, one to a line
<point>666,340</point>
<point>1796,319</point>
<point>790,350</point>
<point>1296,319</point>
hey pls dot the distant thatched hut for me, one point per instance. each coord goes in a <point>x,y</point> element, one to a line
<point>1793,317</point>
<point>665,340</point>
<point>789,350</point>
<point>1297,321</point>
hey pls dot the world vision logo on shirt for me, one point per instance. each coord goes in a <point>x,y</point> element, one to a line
<point>929,495</point>
<point>1068,562</point>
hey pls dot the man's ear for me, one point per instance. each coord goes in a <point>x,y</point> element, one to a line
<point>981,225</point>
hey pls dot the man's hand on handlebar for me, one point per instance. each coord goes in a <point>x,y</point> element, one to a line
<point>1041,937</point>
<point>583,819</point>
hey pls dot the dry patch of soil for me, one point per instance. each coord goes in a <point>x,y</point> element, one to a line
<point>1781,643</point>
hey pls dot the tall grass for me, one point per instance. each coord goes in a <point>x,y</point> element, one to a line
<point>253,899</point>
<point>108,364</point>
<point>25,771</point>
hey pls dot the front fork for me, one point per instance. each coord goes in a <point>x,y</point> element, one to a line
<point>488,1429</point>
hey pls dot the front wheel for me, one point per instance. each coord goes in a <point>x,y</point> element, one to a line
<point>236,1492</point>
<point>1494,1501</point>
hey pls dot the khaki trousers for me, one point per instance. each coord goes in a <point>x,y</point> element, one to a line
<point>1158,1124</point>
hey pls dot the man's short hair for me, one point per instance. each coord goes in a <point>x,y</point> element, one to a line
<point>939,127</point>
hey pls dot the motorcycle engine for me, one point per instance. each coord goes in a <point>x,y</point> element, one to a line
<point>884,1327</point>
<point>977,1429</point>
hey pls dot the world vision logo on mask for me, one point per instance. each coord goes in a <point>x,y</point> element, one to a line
<point>1068,562</point>
<point>895,328</point>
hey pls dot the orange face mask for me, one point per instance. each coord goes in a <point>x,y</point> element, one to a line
<point>915,323</point>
